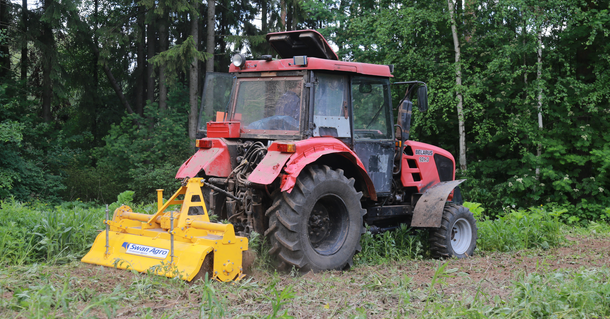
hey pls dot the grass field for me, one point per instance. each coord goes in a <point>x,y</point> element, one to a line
<point>528,265</point>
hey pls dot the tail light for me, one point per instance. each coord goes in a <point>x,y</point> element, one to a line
<point>286,148</point>
<point>203,143</point>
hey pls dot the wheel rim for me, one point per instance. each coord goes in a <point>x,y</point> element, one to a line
<point>328,225</point>
<point>461,236</point>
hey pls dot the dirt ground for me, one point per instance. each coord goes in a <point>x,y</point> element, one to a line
<point>395,289</point>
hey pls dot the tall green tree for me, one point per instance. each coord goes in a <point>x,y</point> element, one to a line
<point>5,59</point>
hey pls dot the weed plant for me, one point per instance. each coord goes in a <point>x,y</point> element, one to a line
<point>41,233</point>
<point>401,243</point>
<point>521,229</point>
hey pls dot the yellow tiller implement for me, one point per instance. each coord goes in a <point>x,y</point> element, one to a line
<point>171,244</point>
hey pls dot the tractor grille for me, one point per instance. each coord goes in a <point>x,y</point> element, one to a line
<point>444,166</point>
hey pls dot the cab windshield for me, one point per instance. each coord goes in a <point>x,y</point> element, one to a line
<point>268,104</point>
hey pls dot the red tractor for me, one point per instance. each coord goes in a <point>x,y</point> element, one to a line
<point>304,150</point>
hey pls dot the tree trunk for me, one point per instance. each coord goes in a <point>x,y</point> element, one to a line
<point>117,89</point>
<point>24,48</point>
<point>264,9</point>
<point>539,78</point>
<point>141,71</point>
<point>5,56</point>
<point>194,74</point>
<point>94,69</point>
<point>210,41</point>
<point>48,42</point>
<point>115,86</point>
<point>150,52</point>
<point>283,15</point>
<point>163,35</point>
<point>458,84</point>
<point>289,17</point>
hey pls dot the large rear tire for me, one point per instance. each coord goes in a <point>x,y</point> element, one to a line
<point>318,225</point>
<point>457,236</point>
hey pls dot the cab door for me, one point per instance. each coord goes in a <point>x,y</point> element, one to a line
<point>372,129</point>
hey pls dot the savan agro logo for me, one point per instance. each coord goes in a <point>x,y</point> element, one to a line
<point>147,251</point>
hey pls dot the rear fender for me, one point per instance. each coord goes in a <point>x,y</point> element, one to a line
<point>214,161</point>
<point>307,152</point>
<point>428,211</point>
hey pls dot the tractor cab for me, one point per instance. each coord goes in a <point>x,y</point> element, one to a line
<point>307,93</point>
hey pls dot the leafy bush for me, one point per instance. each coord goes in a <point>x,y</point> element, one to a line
<point>521,229</point>
<point>27,165</point>
<point>146,156</point>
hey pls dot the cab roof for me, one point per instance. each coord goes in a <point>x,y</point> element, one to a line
<point>311,44</point>
<point>301,42</point>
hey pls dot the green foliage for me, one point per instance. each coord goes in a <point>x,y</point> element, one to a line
<point>521,229</point>
<point>402,243</point>
<point>43,233</point>
<point>3,40</point>
<point>580,293</point>
<point>178,59</point>
<point>146,156</point>
<point>29,160</point>
<point>501,89</point>
<point>476,209</point>
<point>211,305</point>
<point>279,298</point>
<point>542,294</point>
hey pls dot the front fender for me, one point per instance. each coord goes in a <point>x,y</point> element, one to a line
<point>428,211</point>
<point>215,161</point>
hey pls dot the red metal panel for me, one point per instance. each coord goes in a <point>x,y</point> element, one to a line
<point>313,64</point>
<point>269,168</point>
<point>310,150</point>
<point>423,155</point>
<point>214,161</point>
<point>229,129</point>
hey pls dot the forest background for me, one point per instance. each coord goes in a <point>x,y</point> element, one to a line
<point>101,96</point>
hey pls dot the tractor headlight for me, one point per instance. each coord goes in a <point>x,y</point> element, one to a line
<point>239,60</point>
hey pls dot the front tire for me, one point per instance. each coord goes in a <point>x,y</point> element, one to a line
<point>318,225</point>
<point>457,236</point>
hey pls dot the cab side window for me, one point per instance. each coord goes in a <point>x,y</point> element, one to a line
<point>371,107</point>
<point>331,116</point>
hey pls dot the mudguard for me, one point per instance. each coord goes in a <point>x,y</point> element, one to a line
<point>429,209</point>
<point>307,152</point>
<point>215,161</point>
<point>269,168</point>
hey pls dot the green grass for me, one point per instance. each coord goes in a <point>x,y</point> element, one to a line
<point>40,233</point>
<point>39,242</point>
<point>404,243</point>
<point>34,233</point>
<point>45,292</point>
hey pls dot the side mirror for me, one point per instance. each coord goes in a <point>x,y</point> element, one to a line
<point>404,118</point>
<point>422,98</point>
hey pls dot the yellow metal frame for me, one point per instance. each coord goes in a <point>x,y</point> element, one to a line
<point>194,238</point>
